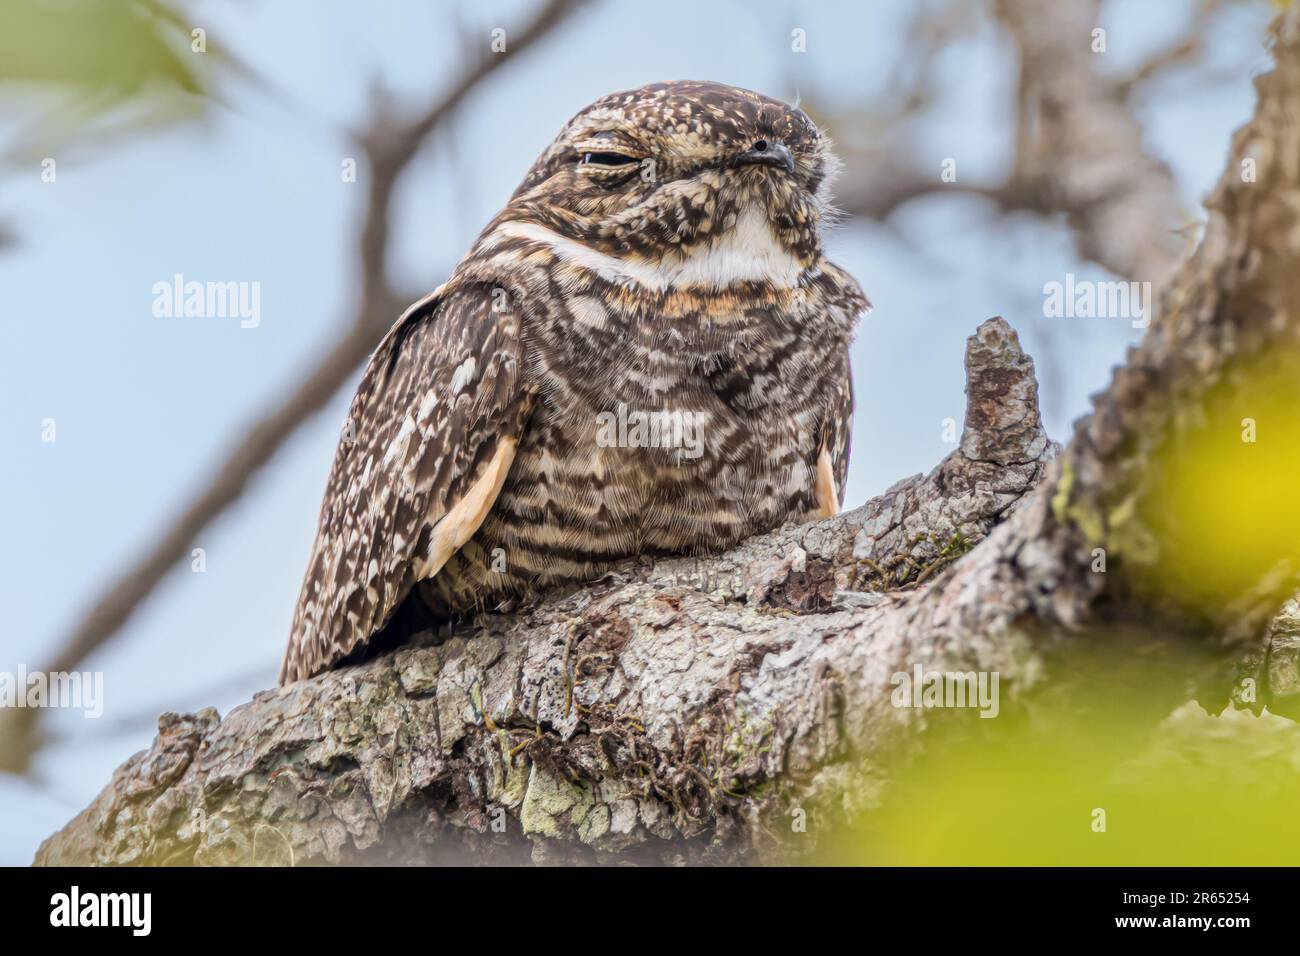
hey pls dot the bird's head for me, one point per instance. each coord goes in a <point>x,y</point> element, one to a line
<point>658,173</point>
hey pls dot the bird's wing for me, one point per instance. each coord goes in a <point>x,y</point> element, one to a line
<point>848,303</point>
<point>428,443</point>
<point>833,455</point>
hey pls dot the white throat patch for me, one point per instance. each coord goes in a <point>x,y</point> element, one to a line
<point>750,252</point>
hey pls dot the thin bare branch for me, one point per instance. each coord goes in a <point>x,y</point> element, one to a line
<point>1078,150</point>
<point>390,146</point>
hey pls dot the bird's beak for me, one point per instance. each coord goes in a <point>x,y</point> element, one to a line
<point>767,152</point>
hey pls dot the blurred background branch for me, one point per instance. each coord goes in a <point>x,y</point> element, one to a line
<point>390,143</point>
<point>1079,146</point>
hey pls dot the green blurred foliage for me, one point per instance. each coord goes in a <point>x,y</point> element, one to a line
<point>1222,503</point>
<point>104,49</point>
<point>1091,791</point>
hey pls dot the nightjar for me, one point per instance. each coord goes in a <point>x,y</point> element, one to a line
<point>645,353</point>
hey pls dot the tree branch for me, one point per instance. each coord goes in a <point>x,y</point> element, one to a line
<point>626,685</point>
<point>1079,150</point>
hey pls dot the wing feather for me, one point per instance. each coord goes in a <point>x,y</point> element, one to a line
<point>832,467</point>
<point>441,402</point>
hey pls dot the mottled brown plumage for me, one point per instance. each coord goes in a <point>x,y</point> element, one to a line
<point>644,353</point>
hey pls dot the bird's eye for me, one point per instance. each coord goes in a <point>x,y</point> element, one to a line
<point>606,159</point>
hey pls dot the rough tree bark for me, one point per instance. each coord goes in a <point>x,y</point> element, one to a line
<point>675,711</point>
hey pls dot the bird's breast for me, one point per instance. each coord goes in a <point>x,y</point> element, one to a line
<point>655,447</point>
<point>679,423</point>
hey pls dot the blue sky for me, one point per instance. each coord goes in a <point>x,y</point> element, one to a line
<point>146,407</point>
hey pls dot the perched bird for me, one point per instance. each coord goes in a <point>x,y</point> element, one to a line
<point>645,353</point>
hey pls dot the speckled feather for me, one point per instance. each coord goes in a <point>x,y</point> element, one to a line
<point>698,288</point>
